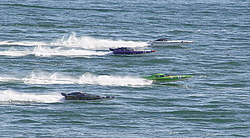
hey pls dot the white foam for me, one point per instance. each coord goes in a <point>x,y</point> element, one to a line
<point>49,78</point>
<point>45,51</point>
<point>14,53</point>
<point>59,51</point>
<point>24,43</point>
<point>89,78</point>
<point>86,78</point>
<point>9,79</point>
<point>13,96</point>
<point>68,46</point>
<point>87,42</point>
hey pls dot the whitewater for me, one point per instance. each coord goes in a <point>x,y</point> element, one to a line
<point>71,46</point>
<point>42,77</point>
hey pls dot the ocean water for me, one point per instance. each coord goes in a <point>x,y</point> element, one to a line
<point>48,47</point>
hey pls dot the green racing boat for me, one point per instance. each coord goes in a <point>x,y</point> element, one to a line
<point>167,78</point>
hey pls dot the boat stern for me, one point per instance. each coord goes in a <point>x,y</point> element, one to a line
<point>63,94</point>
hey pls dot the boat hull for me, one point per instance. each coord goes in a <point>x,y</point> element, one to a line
<point>129,51</point>
<point>170,43</point>
<point>85,96</point>
<point>169,78</point>
<point>134,52</point>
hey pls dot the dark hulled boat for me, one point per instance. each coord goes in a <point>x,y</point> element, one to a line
<point>85,96</point>
<point>127,50</point>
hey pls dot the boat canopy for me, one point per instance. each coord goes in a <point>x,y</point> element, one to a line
<point>161,75</point>
<point>162,39</point>
<point>122,49</point>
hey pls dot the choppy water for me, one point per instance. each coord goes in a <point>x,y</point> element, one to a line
<point>49,47</point>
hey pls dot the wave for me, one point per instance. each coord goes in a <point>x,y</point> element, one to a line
<point>14,96</point>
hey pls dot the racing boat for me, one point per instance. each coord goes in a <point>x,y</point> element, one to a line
<point>167,42</point>
<point>167,78</point>
<point>85,96</point>
<point>126,50</point>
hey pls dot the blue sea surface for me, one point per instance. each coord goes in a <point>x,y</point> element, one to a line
<point>48,47</point>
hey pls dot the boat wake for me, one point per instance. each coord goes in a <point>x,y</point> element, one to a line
<point>86,78</point>
<point>96,44</point>
<point>11,96</point>
<point>66,46</point>
<point>39,77</point>
<point>24,43</point>
<point>59,51</point>
<point>43,51</point>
